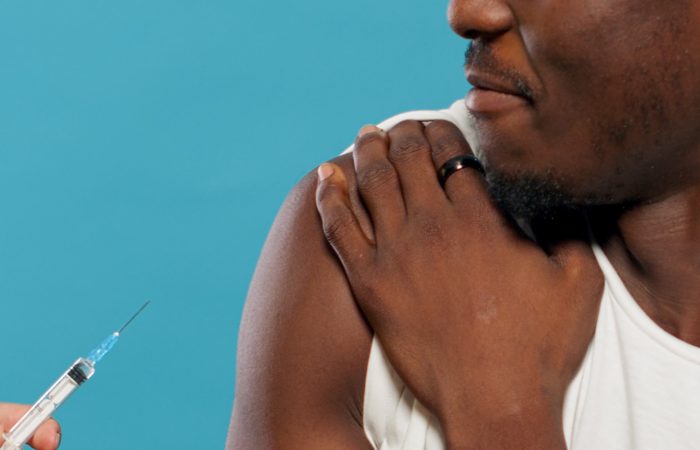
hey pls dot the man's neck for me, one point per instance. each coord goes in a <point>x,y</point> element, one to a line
<point>655,247</point>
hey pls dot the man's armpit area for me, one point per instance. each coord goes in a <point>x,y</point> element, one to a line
<point>303,344</point>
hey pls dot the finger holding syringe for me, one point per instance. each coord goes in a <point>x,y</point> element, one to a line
<point>26,428</point>
<point>47,436</point>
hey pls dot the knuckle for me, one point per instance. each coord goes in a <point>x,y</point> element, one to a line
<point>375,176</point>
<point>446,139</point>
<point>447,146</point>
<point>327,193</point>
<point>407,126</point>
<point>588,285</point>
<point>581,266</point>
<point>334,226</point>
<point>407,146</point>
<point>441,126</point>
<point>574,268</point>
<point>369,138</point>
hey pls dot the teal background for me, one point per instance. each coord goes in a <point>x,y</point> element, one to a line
<point>145,147</point>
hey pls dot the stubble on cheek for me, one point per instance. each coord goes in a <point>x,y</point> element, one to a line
<point>651,87</point>
<point>620,82</point>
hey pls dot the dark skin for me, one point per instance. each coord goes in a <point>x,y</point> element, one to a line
<point>488,343</point>
<point>303,344</point>
<point>612,120</point>
<point>612,126</point>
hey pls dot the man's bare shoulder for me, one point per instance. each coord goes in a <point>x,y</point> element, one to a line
<point>303,345</point>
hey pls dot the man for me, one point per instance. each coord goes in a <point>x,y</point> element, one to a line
<point>579,106</point>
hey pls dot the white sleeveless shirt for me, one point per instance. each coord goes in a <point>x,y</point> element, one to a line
<point>638,386</point>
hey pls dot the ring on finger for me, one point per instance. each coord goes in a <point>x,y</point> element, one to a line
<point>458,163</point>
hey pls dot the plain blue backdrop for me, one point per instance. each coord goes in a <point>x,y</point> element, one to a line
<point>145,147</point>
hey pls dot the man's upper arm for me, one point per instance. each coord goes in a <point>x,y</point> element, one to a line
<point>303,344</point>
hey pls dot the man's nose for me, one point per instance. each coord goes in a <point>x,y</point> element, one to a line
<point>480,18</point>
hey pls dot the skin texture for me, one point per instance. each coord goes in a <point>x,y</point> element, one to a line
<point>614,87</point>
<point>610,125</point>
<point>488,343</point>
<point>47,437</point>
<point>303,345</point>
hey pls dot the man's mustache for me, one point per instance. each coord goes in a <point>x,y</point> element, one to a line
<point>480,58</point>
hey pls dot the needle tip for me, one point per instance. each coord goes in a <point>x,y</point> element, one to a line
<point>134,316</point>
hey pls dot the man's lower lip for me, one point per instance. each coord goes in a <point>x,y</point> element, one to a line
<point>485,101</point>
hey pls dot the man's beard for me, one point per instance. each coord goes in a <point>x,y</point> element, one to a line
<point>533,197</point>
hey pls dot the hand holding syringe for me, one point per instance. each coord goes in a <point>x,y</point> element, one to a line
<point>79,372</point>
<point>47,436</point>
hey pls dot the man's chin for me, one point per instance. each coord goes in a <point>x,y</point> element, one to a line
<point>531,197</point>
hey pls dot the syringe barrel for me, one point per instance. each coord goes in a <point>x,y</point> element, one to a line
<point>24,429</point>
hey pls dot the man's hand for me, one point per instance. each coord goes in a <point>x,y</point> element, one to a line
<point>47,437</point>
<point>484,327</point>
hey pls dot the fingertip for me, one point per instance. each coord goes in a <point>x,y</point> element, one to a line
<point>53,425</point>
<point>331,173</point>
<point>325,171</point>
<point>369,128</point>
<point>47,437</point>
<point>331,183</point>
<point>51,442</point>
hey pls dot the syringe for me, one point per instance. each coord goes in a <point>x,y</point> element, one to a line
<point>78,373</point>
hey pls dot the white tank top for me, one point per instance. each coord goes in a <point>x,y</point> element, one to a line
<point>638,386</point>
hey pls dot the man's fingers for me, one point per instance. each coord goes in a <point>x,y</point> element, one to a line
<point>410,153</point>
<point>340,226</point>
<point>47,436</point>
<point>447,141</point>
<point>377,179</point>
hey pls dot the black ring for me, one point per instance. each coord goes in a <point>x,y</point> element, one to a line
<point>458,163</point>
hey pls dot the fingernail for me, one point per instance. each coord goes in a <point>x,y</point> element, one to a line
<point>325,171</point>
<point>368,129</point>
<point>57,440</point>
